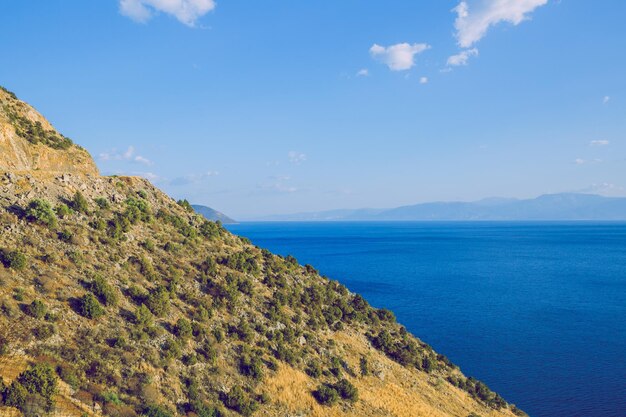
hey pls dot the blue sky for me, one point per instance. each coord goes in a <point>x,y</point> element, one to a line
<point>265,107</point>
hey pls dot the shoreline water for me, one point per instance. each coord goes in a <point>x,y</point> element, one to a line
<point>531,308</point>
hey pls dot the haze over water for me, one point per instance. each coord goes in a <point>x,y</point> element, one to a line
<point>535,310</point>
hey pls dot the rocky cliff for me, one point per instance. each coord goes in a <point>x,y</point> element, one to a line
<point>28,142</point>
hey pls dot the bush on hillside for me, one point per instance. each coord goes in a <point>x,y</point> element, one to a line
<point>155,411</point>
<point>158,301</point>
<point>183,329</point>
<point>14,259</point>
<point>346,390</point>
<point>104,291</point>
<point>79,203</point>
<point>62,210</point>
<point>102,203</point>
<point>89,307</point>
<point>186,205</point>
<point>326,394</point>
<point>251,366</point>
<point>239,400</point>
<point>40,211</point>
<point>36,309</point>
<point>40,379</point>
<point>15,395</point>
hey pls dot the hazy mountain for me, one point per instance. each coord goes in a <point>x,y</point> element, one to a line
<point>565,206</point>
<point>212,214</point>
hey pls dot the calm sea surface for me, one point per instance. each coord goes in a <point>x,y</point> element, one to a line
<point>535,310</point>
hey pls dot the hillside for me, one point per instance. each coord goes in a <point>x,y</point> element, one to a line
<point>212,214</point>
<point>29,143</point>
<point>554,207</point>
<point>117,301</point>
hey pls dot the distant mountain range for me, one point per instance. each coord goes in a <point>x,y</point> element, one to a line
<point>212,214</point>
<point>565,206</point>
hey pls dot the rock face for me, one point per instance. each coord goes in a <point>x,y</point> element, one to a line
<point>28,142</point>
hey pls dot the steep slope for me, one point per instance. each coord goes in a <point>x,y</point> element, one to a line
<point>212,214</point>
<point>29,143</point>
<point>117,301</point>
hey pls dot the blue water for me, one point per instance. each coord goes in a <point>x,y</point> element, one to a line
<point>535,310</point>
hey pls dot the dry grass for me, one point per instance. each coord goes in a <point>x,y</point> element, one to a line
<point>398,391</point>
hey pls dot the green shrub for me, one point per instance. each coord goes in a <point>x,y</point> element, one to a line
<point>237,399</point>
<point>111,398</point>
<point>89,306</point>
<point>186,205</point>
<point>241,261</point>
<point>79,203</point>
<point>365,367</point>
<point>75,256</point>
<point>210,229</point>
<point>36,309</point>
<point>183,329</point>
<point>104,291</point>
<point>203,410</point>
<point>137,210</point>
<point>172,349</point>
<point>243,331</point>
<point>155,411</point>
<point>40,379</point>
<point>102,203</point>
<point>14,259</point>
<point>158,301</point>
<point>15,395</point>
<point>143,317</point>
<point>65,236</point>
<point>251,366</point>
<point>209,353</point>
<point>62,210</point>
<point>313,369</point>
<point>68,374</point>
<point>386,315</point>
<point>326,394</point>
<point>40,211</point>
<point>346,390</point>
<point>19,294</point>
<point>148,244</point>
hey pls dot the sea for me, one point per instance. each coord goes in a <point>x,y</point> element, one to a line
<point>536,310</point>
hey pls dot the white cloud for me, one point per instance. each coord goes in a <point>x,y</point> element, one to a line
<point>296,157</point>
<point>423,80</point>
<point>193,178</point>
<point>606,99</point>
<point>279,187</point>
<point>149,176</point>
<point>279,184</point>
<point>186,11</point>
<point>599,143</point>
<point>604,188</point>
<point>580,161</point>
<point>474,17</point>
<point>127,155</point>
<point>398,57</point>
<point>462,57</point>
<point>363,72</point>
